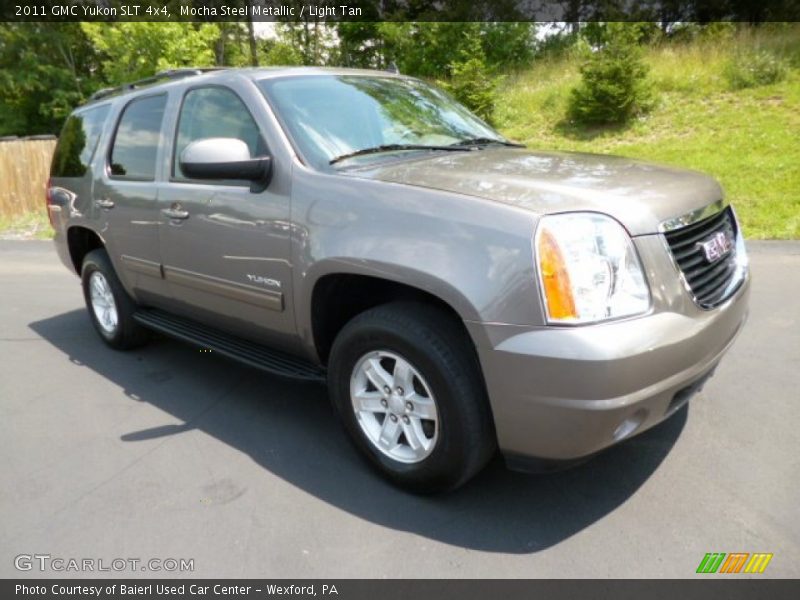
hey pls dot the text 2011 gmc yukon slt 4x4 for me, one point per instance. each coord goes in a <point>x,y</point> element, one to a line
<point>458,292</point>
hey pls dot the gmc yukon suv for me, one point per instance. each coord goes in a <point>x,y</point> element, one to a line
<point>458,292</point>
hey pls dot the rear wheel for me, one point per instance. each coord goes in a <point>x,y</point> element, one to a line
<point>405,381</point>
<point>110,307</point>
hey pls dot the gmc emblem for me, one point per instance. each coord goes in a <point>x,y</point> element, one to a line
<point>717,246</point>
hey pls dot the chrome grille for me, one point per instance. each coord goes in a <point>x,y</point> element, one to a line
<point>711,281</point>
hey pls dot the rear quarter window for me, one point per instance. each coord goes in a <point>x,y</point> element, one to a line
<point>77,142</point>
<point>133,154</point>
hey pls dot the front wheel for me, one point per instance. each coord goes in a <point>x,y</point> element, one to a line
<point>406,382</point>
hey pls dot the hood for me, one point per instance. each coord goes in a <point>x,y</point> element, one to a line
<point>639,195</point>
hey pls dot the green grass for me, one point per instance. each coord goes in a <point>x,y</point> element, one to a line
<point>748,139</point>
<point>29,226</point>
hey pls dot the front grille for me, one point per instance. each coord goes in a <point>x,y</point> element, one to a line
<point>710,282</point>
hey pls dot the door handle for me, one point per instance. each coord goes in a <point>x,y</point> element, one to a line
<point>104,203</point>
<point>175,212</point>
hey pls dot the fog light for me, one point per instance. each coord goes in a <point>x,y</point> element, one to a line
<point>629,425</point>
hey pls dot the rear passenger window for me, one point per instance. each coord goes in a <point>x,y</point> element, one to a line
<point>77,142</point>
<point>133,155</point>
<point>215,112</point>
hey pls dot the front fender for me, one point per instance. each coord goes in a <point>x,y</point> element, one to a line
<point>473,254</point>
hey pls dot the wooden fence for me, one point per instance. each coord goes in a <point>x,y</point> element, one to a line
<point>24,169</point>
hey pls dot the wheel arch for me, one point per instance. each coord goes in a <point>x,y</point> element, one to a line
<point>80,241</point>
<point>339,294</point>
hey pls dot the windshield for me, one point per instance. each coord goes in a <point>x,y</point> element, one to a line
<point>330,116</point>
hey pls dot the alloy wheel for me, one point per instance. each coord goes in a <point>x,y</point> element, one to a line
<point>394,406</point>
<point>103,304</point>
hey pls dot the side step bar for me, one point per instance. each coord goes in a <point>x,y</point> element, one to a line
<point>244,351</point>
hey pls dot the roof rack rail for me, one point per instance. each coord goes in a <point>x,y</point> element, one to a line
<point>169,74</point>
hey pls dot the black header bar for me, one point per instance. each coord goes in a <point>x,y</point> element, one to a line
<point>752,11</point>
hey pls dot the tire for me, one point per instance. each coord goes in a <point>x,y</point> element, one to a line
<point>444,373</point>
<point>111,309</point>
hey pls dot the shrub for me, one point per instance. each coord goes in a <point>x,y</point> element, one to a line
<point>613,87</point>
<point>473,84</point>
<point>754,69</point>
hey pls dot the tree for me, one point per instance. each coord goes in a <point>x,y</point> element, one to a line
<point>360,45</point>
<point>281,53</point>
<point>229,48</point>
<point>426,49</point>
<point>251,39</point>
<point>46,69</point>
<point>471,82</point>
<point>508,45</point>
<point>311,38</point>
<point>134,50</point>
<point>614,86</point>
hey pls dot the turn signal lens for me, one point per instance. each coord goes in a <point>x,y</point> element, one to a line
<point>555,279</point>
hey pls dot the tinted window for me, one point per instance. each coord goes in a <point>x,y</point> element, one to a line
<point>215,112</point>
<point>136,141</point>
<point>77,142</point>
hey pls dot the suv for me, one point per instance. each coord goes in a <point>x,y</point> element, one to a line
<point>458,292</point>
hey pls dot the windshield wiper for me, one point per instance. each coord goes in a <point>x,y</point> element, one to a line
<point>393,147</point>
<point>481,141</point>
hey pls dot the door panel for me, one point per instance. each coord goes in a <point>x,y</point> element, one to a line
<point>227,262</point>
<point>125,195</point>
<point>130,228</point>
<point>225,249</point>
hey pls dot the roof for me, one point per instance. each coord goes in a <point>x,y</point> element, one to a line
<point>254,73</point>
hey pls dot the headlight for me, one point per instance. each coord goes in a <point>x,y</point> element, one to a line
<point>589,269</point>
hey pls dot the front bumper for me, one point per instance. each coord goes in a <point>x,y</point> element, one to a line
<point>559,394</point>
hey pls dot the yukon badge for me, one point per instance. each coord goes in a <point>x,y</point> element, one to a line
<point>717,246</point>
<point>264,280</point>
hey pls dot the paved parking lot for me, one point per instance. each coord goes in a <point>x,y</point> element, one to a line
<point>166,452</point>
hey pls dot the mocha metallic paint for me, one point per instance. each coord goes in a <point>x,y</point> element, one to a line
<point>456,225</point>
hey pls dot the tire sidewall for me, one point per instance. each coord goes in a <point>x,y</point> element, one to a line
<point>449,449</point>
<point>97,261</point>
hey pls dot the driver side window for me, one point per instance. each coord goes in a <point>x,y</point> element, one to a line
<point>215,112</point>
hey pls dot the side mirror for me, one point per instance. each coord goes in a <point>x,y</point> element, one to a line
<point>225,158</point>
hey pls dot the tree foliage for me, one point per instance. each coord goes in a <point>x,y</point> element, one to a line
<point>471,82</point>
<point>281,53</point>
<point>45,70</point>
<point>429,49</point>
<point>614,86</point>
<point>136,50</point>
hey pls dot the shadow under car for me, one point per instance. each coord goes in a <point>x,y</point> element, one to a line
<point>290,429</point>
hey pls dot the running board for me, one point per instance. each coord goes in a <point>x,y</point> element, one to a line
<point>238,349</point>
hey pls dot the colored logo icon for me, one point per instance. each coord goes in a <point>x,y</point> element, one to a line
<point>736,562</point>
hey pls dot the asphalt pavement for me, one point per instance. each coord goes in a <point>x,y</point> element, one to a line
<point>167,452</point>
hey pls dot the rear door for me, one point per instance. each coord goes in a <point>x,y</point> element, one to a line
<point>125,196</point>
<point>226,254</point>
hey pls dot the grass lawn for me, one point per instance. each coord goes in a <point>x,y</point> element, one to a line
<point>30,226</point>
<point>748,139</point>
